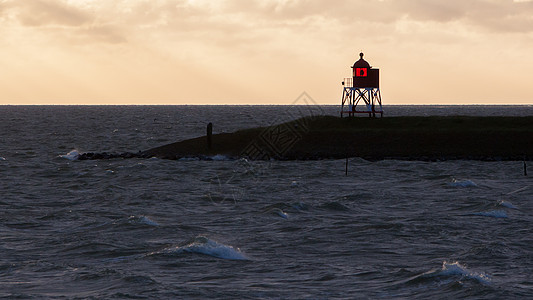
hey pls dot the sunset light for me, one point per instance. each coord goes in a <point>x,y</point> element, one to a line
<point>262,51</point>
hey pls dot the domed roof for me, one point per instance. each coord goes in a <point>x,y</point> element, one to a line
<point>361,63</point>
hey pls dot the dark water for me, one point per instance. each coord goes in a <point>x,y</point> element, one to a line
<point>157,229</point>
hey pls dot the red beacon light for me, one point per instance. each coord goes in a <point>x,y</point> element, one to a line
<point>361,93</point>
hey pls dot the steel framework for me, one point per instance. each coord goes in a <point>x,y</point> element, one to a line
<point>360,100</point>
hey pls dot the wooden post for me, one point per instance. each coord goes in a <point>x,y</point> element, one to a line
<point>525,168</point>
<point>346,173</point>
<point>209,135</point>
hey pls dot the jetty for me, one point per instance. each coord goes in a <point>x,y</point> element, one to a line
<point>405,138</point>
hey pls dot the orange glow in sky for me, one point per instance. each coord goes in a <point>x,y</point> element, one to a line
<point>263,51</point>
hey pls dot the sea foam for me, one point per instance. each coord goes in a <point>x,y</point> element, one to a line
<point>280,213</point>
<point>452,270</point>
<point>463,183</point>
<point>507,204</point>
<point>455,268</point>
<point>206,246</point>
<point>144,220</point>
<point>72,155</point>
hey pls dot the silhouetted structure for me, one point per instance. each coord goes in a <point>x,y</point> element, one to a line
<point>361,93</point>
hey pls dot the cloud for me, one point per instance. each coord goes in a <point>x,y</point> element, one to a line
<point>59,20</point>
<point>41,13</point>
<point>239,45</point>
<point>242,22</point>
<point>499,15</point>
<point>98,33</point>
<point>244,19</point>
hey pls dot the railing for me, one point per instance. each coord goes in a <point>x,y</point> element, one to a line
<point>348,82</point>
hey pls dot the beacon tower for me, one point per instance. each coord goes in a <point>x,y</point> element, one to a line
<point>361,94</point>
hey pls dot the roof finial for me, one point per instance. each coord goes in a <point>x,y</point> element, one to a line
<point>361,54</point>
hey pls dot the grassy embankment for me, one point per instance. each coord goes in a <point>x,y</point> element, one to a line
<point>420,138</point>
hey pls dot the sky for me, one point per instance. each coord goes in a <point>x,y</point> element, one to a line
<point>263,51</point>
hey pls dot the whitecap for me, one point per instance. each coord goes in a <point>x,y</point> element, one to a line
<point>455,268</point>
<point>452,269</point>
<point>492,214</point>
<point>206,246</point>
<point>72,155</point>
<point>143,220</point>
<point>281,213</point>
<point>463,183</point>
<point>2,158</point>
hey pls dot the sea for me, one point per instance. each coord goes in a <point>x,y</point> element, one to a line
<point>223,228</point>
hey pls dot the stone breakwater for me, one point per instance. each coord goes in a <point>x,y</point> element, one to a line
<point>106,155</point>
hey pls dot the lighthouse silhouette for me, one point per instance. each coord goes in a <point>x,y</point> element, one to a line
<point>361,94</point>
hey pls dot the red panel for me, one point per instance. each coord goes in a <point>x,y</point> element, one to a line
<point>361,72</point>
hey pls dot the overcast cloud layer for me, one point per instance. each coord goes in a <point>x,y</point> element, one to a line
<point>262,51</point>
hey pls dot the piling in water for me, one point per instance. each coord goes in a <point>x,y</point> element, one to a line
<point>346,172</point>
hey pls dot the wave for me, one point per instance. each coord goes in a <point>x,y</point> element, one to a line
<point>72,155</point>
<point>455,268</point>
<point>463,183</point>
<point>451,270</point>
<point>507,204</point>
<point>280,213</point>
<point>220,157</point>
<point>280,209</point>
<point>142,220</point>
<point>492,214</point>
<point>206,246</point>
